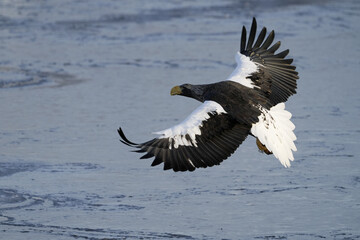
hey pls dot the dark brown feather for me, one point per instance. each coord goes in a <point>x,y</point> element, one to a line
<point>276,77</point>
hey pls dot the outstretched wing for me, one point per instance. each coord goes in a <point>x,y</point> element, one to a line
<point>206,138</point>
<point>260,68</point>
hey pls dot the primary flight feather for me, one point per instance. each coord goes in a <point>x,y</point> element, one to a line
<point>249,102</point>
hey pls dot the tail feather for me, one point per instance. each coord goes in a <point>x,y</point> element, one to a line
<point>275,131</point>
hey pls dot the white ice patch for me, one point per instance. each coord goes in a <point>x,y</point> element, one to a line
<point>245,67</point>
<point>275,131</point>
<point>191,125</point>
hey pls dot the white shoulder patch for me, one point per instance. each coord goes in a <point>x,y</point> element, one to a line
<point>191,125</point>
<point>275,131</point>
<point>244,68</point>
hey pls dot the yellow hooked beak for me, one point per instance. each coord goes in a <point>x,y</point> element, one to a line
<point>175,90</point>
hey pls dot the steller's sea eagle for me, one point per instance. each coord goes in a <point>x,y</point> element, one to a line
<point>249,102</point>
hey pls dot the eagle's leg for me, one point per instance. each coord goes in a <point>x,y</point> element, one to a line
<point>262,148</point>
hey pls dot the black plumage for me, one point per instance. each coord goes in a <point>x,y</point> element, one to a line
<point>221,132</point>
<point>276,77</point>
<point>212,146</point>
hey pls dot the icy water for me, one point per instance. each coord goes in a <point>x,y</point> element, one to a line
<point>72,72</point>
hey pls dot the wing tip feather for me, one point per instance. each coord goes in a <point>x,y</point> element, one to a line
<point>124,138</point>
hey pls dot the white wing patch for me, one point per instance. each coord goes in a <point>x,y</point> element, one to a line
<point>275,131</point>
<point>191,125</point>
<point>244,68</point>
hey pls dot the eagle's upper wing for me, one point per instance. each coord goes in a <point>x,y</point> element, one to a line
<point>260,68</point>
<point>205,138</point>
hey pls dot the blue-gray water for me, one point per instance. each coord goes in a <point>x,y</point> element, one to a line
<point>72,72</point>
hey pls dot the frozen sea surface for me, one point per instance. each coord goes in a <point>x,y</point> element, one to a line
<point>72,72</point>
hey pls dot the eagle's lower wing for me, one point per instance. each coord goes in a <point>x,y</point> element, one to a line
<point>206,138</point>
<point>260,68</point>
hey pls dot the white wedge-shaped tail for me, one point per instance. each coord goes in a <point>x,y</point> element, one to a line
<point>275,131</point>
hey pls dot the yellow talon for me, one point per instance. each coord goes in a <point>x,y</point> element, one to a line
<point>262,147</point>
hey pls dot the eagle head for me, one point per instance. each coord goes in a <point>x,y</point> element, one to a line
<point>189,90</point>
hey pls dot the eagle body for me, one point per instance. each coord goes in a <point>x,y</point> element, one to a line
<point>237,100</point>
<point>249,102</point>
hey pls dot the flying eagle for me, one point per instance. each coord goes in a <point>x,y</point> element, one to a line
<point>249,102</point>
